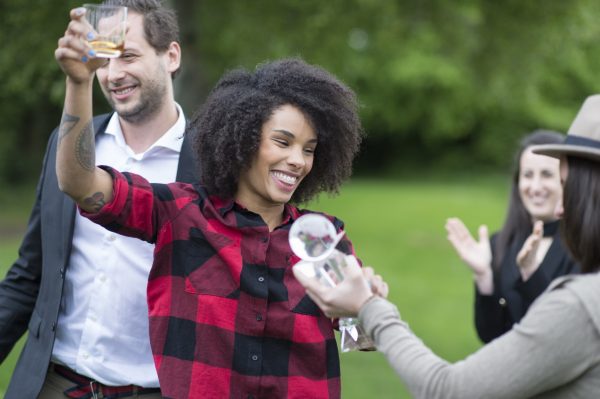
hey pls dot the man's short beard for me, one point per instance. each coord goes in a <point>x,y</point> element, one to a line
<point>150,102</point>
<point>143,111</point>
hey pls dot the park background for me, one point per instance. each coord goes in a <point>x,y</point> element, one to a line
<point>446,89</point>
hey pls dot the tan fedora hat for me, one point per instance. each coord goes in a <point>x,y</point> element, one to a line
<point>583,138</point>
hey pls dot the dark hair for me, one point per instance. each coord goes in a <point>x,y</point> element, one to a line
<point>518,221</point>
<point>580,227</point>
<point>160,23</point>
<point>228,126</point>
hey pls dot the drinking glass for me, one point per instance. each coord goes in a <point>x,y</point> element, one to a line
<point>109,25</point>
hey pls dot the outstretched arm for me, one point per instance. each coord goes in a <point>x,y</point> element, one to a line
<point>556,335</point>
<point>78,176</point>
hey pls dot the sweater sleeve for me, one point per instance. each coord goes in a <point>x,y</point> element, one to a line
<point>553,345</point>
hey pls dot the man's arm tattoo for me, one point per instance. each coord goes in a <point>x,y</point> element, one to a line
<point>67,123</point>
<point>84,149</point>
<point>96,201</point>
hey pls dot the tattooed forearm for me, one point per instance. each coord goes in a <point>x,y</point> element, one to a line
<point>96,201</point>
<point>84,149</point>
<point>67,122</point>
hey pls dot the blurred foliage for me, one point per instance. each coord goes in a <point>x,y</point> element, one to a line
<point>32,87</point>
<point>453,83</point>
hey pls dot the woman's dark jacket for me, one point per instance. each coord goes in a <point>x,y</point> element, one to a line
<point>495,314</point>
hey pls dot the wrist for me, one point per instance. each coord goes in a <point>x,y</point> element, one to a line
<point>484,282</point>
<point>526,272</point>
<point>80,82</point>
<point>365,301</point>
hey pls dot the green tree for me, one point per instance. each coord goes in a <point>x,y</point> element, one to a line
<point>453,83</point>
<point>32,84</point>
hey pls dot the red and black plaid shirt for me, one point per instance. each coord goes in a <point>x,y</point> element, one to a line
<point>227,317</point>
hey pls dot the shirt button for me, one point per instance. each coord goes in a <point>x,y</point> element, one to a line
<point>258,317</point>
<point>112,237</point>
<point>85,355</point>
<point>264,239</point>
<point>255,357</point>
<point>261,279</point>
<point>102,278</point>
<point>502,302</point>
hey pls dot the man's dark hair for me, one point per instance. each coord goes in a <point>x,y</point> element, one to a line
<point>228,126</point>
<point>160,23</point>
<point>581,212</point>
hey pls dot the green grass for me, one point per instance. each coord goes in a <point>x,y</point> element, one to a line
<point>8,250</point>
<point>398,228</point>
<point>15,205</point>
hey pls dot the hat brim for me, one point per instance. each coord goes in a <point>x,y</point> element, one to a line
<point>559,150</point>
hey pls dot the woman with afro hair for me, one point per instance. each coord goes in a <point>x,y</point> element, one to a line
<point>227,316</point>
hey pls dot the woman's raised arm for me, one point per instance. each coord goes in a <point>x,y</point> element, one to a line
<point>78,176</point>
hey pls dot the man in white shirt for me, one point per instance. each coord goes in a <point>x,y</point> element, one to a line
<point>78,289</point>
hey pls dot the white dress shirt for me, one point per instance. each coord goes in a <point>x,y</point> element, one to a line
<point>102,329</point>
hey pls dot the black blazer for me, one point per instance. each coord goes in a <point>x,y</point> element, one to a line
<point>495,314</point>
<point>31,293</point>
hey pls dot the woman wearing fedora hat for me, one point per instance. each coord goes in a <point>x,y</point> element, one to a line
<point>554,352</point>
<point>506,281</point>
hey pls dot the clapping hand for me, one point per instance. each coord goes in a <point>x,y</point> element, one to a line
<point>527,256</point>
<point>477,255</point>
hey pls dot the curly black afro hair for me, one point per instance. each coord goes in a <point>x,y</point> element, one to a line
<point>228,126</point>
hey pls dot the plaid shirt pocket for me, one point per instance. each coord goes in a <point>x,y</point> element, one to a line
<point>206,272</point>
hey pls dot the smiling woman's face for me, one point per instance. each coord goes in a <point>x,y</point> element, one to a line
<point>539,185</point>
<point>284,157</point>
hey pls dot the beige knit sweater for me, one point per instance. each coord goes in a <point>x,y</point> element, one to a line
<point>554,352</point>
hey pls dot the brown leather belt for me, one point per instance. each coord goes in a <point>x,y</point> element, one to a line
<point>88,388</point>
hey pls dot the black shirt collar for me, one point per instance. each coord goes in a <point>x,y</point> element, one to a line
<point>550,228</point>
